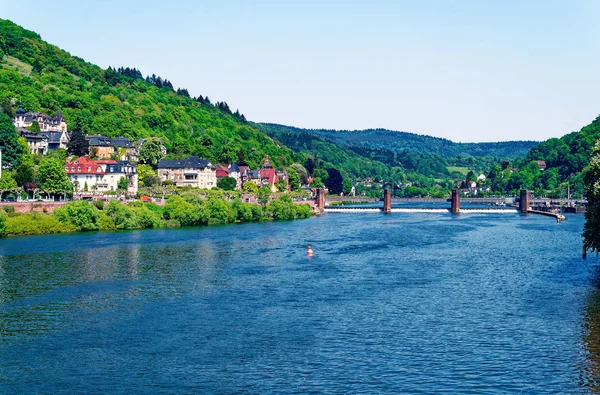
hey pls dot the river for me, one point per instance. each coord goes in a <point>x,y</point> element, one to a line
<point>419,302</point>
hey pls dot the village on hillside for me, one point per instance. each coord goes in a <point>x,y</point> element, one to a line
<point>110,163</point>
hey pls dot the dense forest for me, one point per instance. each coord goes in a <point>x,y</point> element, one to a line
<point>399,142</point>
<point>566,159</point>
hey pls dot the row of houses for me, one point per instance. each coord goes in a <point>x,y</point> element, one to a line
<point>54,135</point>
<point>201,173</point>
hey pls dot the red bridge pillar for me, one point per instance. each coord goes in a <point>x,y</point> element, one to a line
<point>320,199</point>
<point>387,201</point>
<point>455,202</point>
<point>524,201</point>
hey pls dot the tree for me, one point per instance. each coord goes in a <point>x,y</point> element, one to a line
<point>316,183</point>
<point>34,127</point>
<point>78,145</point>
<point>81,214</point>
<point>281,185</point>
<point>309,164</point>
<point>2,225</point>
<point>7,183</point>
<point>591,228</point>
<point>321,173</point>
<point>151,151</point>
<point>347,186</point>
<point>250,187</point>
<point>334,181</point>
<point>302,173</point>
<point>263,195</point>
<point>293,178</point>
<point>24,173</point>
<point>12,151</point>
<point>227,183</point>
<point>123,184</point>
<point>53,177</point>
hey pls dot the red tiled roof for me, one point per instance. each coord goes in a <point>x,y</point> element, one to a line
<point>84,166</point>
<point>268,175</point>
<point>222,171</point>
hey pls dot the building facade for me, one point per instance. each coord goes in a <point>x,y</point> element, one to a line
<point>53,130</point>
<point>101,176</point>
<point>190,172</point>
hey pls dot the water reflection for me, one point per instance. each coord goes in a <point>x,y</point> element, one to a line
<point>591,337</point>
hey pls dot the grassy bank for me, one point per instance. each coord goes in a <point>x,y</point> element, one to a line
<point>81,216</point>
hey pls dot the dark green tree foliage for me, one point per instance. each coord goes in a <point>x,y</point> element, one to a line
<point>2,225</point>
<point>24,174</point>
<point>334,182</point>
<point>78,145</point>
<point>591,229</point>
<point>398,142</point>
<point>227,183</point>
<point>12,151</point>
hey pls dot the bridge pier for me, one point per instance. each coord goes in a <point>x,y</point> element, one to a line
<point>320,200</point>
<point>525,197</point>
<point>387,201</point>
<point>455,202</point>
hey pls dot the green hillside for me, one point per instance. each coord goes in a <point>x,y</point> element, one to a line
<point>399,142</point>
<point>566,159</point>
<point>120,102</point>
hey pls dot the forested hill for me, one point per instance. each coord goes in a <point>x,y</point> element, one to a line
<point>399,142</point>
<point>566,159</point>
<point>121,102</point>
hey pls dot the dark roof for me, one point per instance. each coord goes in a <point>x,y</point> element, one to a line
<point>234,168</point>
<point>121,142</point>
<point>190,162</point>
<point>31,135</point>
<point>121,166</point>
<point>20,111</point>
<point>98,140</point>
<point>53,137</point>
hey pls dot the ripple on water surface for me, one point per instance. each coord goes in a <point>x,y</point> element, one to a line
<point>401,302</point>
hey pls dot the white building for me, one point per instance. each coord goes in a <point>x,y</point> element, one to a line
<point>101,176</point>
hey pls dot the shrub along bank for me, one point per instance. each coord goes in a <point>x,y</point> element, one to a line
<point>178,211</point>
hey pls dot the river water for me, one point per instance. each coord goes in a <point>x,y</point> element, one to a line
<point>422,302</point>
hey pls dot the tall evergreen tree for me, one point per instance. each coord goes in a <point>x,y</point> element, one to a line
<point>78,145</point>
<point>12,151</point>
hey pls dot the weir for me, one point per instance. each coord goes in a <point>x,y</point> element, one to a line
<point>524,207</point>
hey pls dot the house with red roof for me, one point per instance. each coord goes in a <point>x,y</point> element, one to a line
<point>100,175</point>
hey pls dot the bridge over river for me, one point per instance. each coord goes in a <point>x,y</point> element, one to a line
<point>524,207</point>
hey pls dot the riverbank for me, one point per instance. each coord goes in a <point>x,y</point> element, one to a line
<point>83,216</point>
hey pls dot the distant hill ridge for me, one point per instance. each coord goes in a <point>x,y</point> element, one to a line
<point>398,141</point>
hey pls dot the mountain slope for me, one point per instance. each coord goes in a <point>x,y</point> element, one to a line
<point>99,101</point>
<point>403,141</point>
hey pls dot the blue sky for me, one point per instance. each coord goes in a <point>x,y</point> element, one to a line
<point>464,70</point>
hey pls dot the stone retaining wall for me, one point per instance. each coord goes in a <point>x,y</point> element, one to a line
<point>27,207</point>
